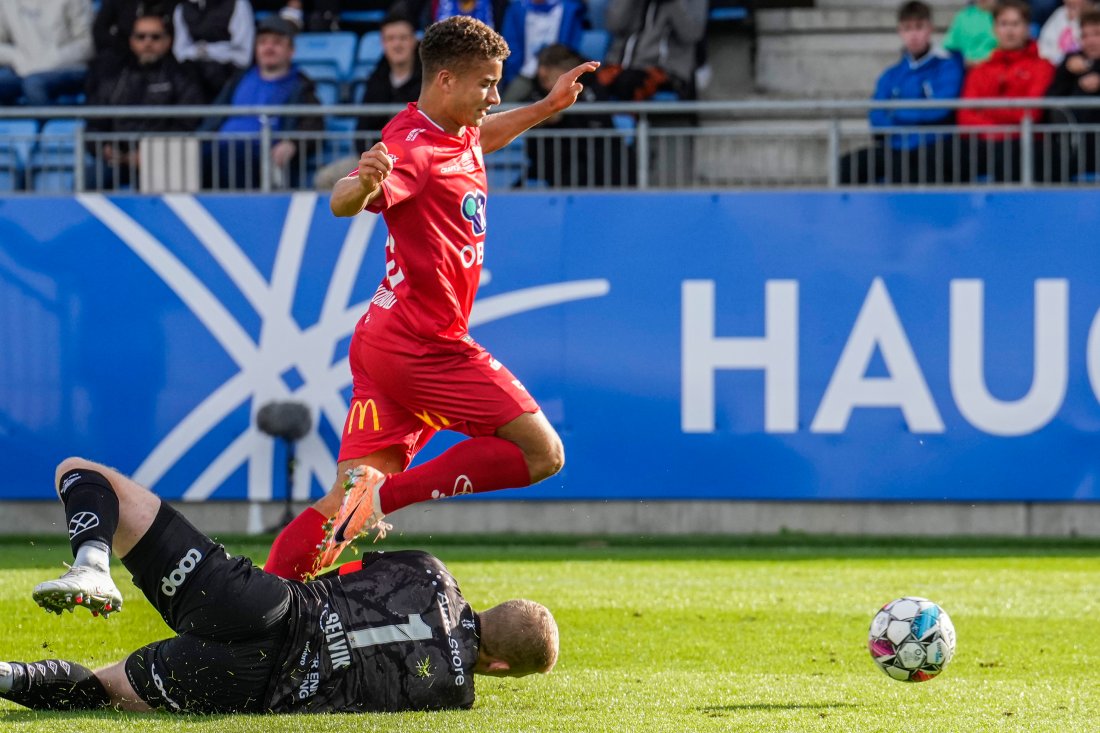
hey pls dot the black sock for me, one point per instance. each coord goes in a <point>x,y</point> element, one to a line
<point>54,684</point>
<point>91,507</point>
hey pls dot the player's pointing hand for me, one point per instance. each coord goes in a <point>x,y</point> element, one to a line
<point>374,165</point>
<point>567,88</point>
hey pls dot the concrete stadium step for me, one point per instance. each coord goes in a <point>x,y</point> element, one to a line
<point>837,48</point>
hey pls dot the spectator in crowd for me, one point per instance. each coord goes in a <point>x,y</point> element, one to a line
<point>1079,76</point>
<point>396,80</point>
<point>272,80</point>
<point>971,32</point>
<point>44,49</point>
<point>309,15</point>
<point>215,38</point>
<point>489,12</point>
<point>653,48</point>
<point>1014,70</point>
<point>573,159</point>
<point>112,29</point>
<point>150,76</point>
<point>529,26</point>
<point>1061,34</point>
<point>924,72</point>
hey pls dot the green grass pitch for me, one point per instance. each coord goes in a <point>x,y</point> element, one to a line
<point>759,634</point>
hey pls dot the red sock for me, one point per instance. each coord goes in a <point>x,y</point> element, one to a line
<point>473,466</point>
<point>295,550</point>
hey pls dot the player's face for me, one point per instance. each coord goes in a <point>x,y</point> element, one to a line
<point>1090,40</point>
<point>149,41</point>
<point>473,91</point>
<point>916,36</point>
<point>1011,30</point>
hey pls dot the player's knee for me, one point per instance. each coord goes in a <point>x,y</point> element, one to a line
<point>72,463</point>
<point>548,461</point>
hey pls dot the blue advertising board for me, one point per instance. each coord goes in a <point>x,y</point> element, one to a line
<point>930,346</point>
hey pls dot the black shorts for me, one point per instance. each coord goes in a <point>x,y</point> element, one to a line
<point>232,619</point>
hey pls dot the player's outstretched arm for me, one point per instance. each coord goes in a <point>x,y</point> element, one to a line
<point>503,127</point>
<point>350,195</point>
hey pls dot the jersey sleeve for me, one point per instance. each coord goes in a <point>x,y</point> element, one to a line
<point>411,169</point>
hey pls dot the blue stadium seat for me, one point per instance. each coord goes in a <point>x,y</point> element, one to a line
<point>368,55</point>
<point>51,163</point>
<point>326,79</point>
<point>597,14</point>
<point>16,142</point>
<point>507,166</point>
<point>336,50</point>
<point>594,45</point>
<point>339,145</point>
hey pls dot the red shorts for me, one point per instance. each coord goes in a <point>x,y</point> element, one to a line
<point>404,400</point>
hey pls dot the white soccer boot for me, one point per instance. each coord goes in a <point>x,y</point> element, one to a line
<point>81,585</point>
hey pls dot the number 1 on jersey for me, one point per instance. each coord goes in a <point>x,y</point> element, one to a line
<point>414,630</point>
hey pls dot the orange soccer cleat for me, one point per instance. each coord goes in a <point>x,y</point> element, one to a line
<point>359,514</point>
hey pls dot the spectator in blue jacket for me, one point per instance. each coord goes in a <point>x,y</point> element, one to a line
<point>924,72</point>
<point>530,26</point>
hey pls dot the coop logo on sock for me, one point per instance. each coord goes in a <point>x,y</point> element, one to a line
<point>52,665</point>
<point>174,580</point>
<point>82,522</point>
<point>67,483</point>
<point>65,666</point>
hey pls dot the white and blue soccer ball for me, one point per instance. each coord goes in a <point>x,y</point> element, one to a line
<point>912,639</point>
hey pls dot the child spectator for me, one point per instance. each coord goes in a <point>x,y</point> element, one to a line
<point>1061,34</point>
<point>971,32</point>
<point>1014,70</point>
<point>1079,76</point>
<point>924,72</point>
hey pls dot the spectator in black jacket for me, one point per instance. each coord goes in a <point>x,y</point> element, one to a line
<point>272,80</point>
<point>150,76</point>
<point>396,80</point>
<point>1078,76</point>
<point>112,27</point>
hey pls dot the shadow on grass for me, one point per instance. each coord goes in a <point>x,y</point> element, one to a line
<point>67,718</point>
<point>715,710</point>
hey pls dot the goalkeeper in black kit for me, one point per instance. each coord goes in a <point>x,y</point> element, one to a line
<point>388,633</point>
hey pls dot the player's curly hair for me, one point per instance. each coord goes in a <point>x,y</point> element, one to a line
<point>458,41</point>
<point>522,633</point>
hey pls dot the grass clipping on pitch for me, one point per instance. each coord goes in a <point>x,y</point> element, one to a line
<point>730,635</point>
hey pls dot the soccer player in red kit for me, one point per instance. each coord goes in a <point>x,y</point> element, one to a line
<point>416,369</point>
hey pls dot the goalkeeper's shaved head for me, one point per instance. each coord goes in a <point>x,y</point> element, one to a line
<point>523,635</point>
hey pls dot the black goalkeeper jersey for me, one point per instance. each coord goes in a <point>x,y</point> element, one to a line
<point>395,634</point>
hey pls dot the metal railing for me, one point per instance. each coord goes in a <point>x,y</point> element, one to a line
<point>665,145</point>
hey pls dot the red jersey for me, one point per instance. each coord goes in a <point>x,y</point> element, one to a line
<point>434,206</point>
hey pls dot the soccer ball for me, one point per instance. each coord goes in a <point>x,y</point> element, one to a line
<point>912,639</point>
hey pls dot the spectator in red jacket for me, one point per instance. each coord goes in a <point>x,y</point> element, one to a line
<point>1014,70</point>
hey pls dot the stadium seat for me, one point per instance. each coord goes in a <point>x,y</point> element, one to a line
<point>368,55</point>
<point>339,143</point>
<point>16,142</point>
<point>336,50</point>
<point>597,14</point>
<point>325,78</point>
<point>507,166</point>
<point>51,163</point>
<point>594,45</point>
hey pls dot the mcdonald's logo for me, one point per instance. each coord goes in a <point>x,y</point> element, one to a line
<point>359,408</point>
